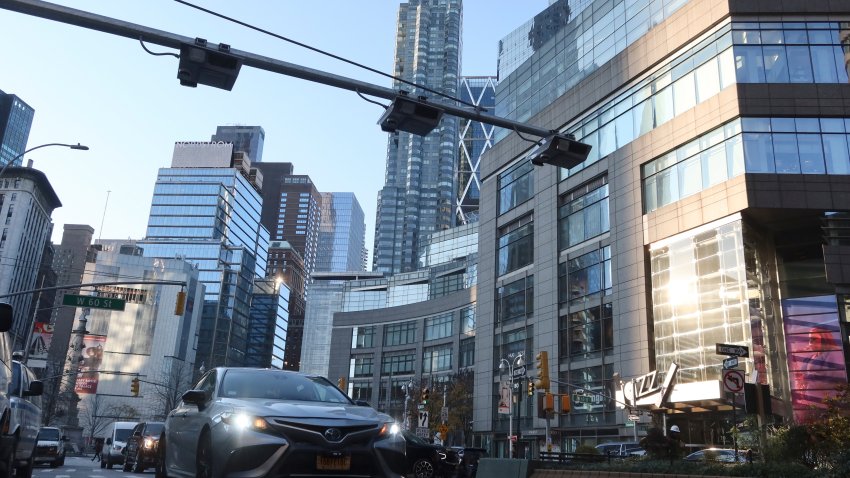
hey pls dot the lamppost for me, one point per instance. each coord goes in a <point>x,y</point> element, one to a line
<point>72,146</point>
<point>506,365</point>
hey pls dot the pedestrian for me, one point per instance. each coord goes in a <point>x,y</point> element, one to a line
<point>98,448</point>
<point>674,443</point>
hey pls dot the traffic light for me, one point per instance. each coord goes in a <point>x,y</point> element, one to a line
<point>341,383</point>
<point>134,387</point>
<point>179,307</point>
<point>565,404</point>
<point>530,388</point>
<point>542,365</point>
<point>425,393</point>
<point>548,402</point>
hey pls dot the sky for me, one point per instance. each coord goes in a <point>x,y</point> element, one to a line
<point>106,92</point>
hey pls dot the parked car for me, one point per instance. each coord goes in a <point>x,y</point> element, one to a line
<point>7,440</point>
<point>723,455</point>
<point>50,447</point>
<point>426,460</point>
<point>469,458</point>
<point>265,422</point>
<point>25,395</point>
<point>116,440</point>
<point>618,449</point>
<point>140,452</point>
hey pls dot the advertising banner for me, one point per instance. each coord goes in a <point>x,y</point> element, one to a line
<point>42,336</point>
<point>87,379</point>
<point>505,398</point>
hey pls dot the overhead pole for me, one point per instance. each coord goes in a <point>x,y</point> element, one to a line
<point>92,21</point>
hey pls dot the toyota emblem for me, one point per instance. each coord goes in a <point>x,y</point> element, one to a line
<point>333,434</point>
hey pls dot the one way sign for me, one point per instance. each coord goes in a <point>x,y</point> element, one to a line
<point>733,350</point>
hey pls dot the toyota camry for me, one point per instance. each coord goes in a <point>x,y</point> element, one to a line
<point>261,422</point>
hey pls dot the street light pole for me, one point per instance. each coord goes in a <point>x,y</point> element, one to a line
<point>505,364</point>
<point>72,146</point>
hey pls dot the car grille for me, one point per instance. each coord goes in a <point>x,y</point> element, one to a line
<point>327,432</point>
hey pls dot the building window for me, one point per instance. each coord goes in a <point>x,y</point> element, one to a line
<point>363,337</point>
<point>361,391</point>
<point>598,384</point>
<point>516,244</point>
<point>439,327</point>
<point>362,366</point>
<point>467,353</point>
<point>400,334</point>
<point>516,186</point>
<point>467,321</point>
<point>398,363</point>
<point>515,301</point>
<point>587,331</point>
<point>583,213</point>
<point>437,359</point>
<point>580,279</point>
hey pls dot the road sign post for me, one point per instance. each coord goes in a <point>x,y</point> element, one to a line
<point>93,302</point>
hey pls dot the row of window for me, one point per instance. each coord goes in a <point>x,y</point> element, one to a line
<point>434,359</point>
<point>436,327</point>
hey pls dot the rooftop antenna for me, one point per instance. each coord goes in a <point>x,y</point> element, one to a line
<point>100,232</point>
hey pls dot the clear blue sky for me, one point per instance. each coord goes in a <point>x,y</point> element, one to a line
<point>106,92</point>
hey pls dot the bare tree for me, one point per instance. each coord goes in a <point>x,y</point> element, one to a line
<point>174,379</point>
<point>95,414</point>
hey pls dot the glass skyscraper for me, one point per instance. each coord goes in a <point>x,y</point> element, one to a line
<point>475,139</point>
<point>418,194</point>
<point>15,123</point>
<point>248,139</point>
<point>342,234</point>
<point>208,213</point>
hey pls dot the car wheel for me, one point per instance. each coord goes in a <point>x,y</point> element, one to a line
<point>127,464</point>
<point>203,464</point>
<point>138,467</point>
<point>159,470</point>
<point>108,462</point>
<point>7,465</point>
<point>62,461</point>
<point>25,471</point>
<point>423,468</point>
<point>102,462</point>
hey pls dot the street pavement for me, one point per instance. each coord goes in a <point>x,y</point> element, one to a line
<point>83,467</point>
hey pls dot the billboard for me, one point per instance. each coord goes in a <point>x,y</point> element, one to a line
<point>42,336</point>
<point>815,354</point>
<point>505,398</point>
<point>202,154</point>
<point>87,377</point>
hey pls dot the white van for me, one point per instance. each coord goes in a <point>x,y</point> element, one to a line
<point>116,440</point>
<point>25,397</point>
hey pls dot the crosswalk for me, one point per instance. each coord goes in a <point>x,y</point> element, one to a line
<point>83,467</point>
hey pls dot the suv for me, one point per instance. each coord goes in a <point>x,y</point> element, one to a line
<point>50,447</point>
<point>25,396</point>
<point>140,451</point>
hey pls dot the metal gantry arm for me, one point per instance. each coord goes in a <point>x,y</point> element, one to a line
<point>554,148</point>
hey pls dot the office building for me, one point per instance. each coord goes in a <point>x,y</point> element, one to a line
<point>247,139</point>
<point>475,138</point>
<point>268,324</point>
<point>286,265</point>
<point>711,210</point>
<point>342,234</point>
<point>15,123</point>
<point>417,198</point>
<point>206,210</point>
<point>26,202</point>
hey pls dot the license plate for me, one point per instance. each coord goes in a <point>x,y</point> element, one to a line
<point>333,463</point>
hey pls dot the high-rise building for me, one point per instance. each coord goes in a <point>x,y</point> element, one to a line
<point>26,202</point>
<point>206,209</point>
<point>15,123</point>
<point>417,198</point>
<point>713,209</point>
<point>286,264</point>
<point>475,138</point>
<point>342,234</point>
<point>247,139</point>
<point>269,324</point>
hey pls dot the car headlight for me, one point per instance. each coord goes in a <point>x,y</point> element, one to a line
<point>389,428</point>
<point>149,443</point>
<point>243,421</point>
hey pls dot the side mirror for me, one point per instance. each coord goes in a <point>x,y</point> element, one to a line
<point>5,317</point>
<point>36,389</point>
<point>195,397</point>
<point>109,441</point>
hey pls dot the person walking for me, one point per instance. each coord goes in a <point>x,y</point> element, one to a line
<point>98,449</point>
<point>674,443</point>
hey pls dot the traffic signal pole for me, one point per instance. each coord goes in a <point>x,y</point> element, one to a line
<point>80,18</point>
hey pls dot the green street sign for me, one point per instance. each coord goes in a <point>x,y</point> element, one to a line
<point>93,302</point>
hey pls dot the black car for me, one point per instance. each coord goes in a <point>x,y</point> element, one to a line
<point>426,460</point>
<point>140,452</point>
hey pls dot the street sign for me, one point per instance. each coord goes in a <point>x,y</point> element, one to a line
<point>733,350</point>
<point>582,398</point>
<point>733,381</point>
<point>634,418</point>
<point>730,363</point>
<point>520,371</point>
<point>93,302</point>
<point>423,419</point>
<point>422,432</point>
<point>444,414</point>
<point>421,407</point>
<point>443,428</point>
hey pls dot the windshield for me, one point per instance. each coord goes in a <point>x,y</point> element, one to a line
<point>153,429</point>
<point>48,434</point>
<point>122,434</point>
<point>278,385</point>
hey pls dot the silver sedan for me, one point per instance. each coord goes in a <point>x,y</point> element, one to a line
<point>260,422</point>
